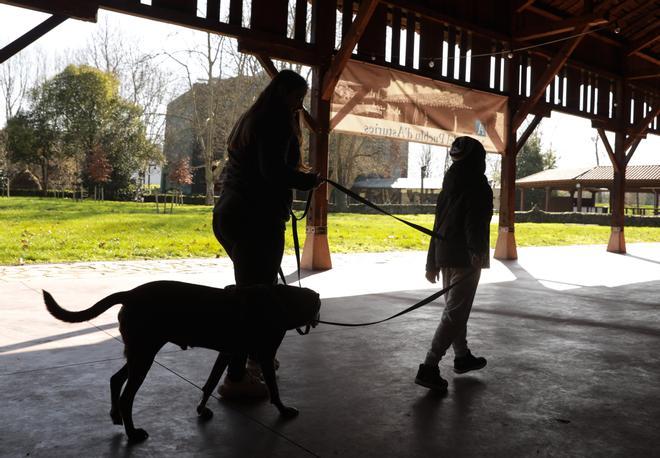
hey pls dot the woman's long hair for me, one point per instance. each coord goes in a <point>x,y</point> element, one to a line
<point>271,103</point>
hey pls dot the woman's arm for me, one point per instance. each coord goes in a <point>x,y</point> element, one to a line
<point>273,145</point>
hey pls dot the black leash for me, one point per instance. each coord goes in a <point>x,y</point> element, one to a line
<point>348,192</point>
<point>294,229</point>
<point>421,303</point>
<point>361,199</point>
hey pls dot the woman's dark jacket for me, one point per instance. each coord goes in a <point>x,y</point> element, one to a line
<point>263,173</point>
<point>462,215</point>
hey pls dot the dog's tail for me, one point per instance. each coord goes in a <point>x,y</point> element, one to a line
<point>83,315</point>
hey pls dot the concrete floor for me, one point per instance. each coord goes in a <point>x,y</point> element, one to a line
<point>571,335</point>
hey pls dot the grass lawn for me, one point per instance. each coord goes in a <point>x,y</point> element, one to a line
<point>59,230</point>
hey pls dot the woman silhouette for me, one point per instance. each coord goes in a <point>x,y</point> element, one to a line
<point>263,167</point>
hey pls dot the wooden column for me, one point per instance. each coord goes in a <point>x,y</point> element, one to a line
<point>548,191</point>
<point>505,247</point>
<point>316,251</point>
<point>617,242</point>
<point>579,199</point>
<point>522,199</point>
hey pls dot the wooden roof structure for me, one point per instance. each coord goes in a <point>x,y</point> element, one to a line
<point>598,59</point>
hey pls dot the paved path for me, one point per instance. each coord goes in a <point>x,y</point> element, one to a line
<point>571,334</point>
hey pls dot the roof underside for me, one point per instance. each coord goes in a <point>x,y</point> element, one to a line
<point>637,177</point>
<point>613,45</point>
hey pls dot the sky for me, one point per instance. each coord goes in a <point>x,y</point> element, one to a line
<point>570,137</point>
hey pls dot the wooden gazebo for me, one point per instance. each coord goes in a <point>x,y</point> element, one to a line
<point>599,59</point>
<point>639,179</point>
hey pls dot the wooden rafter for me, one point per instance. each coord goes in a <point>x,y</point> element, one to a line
<point>548,75</point>
<point>645,41</point>
<point>641,126</point>
<point>252,41</point>
<point>602,9</point>
<point>555,28</point>
<point>278,50</point>
<point>77,9</point>
<point>528,131</point>
<point>630,153</point>
<point>622,4</point>
<point>271,70</point>
<point>268,65</point>
<point>425,12</point>
<point>608,148</point>
<point>30,37</point>
<point>643,76</point>
<point>522,5</point>
<point>366,10</point>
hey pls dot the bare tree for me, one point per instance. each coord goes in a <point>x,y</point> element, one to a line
<point>206,59</point>
<point>14,83</point>
<point>106,49</point>
<point>426,160</point>
<point>594,139</point>
<point>15,80</point>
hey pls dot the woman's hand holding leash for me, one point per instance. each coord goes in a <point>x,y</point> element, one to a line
<point>319,180</point>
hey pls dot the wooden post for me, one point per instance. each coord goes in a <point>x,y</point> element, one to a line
<point>617,242</point>
<point>505,247</point>
<point>548,191</point>
<point>316,251</point>
<point>579,198</point>
<point>522,199</point>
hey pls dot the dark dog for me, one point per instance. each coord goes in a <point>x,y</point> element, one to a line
<point>247,319</point>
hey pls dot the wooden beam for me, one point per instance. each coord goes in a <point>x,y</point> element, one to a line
<point>608,148</point>
<point>282,51</point>
<point>548,75</point>
<point>555,28</point>
<point>522,5</point>
<point>644,76</point>
<point>366,10</point>
<point>443,18</point>
<point>602,10</point>
<point>77,9</point>
<point>645,41</point>
<point>271,70</point>
<point>641,127</point>
<point>615,10</point>
<point>300,21</point>
<point>528,131</point>
<point>630,153</point>
<point>267,65</point>
<point>30,37</point>
<point>254,42</point>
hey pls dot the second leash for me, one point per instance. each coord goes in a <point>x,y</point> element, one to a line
<point>419,304</point>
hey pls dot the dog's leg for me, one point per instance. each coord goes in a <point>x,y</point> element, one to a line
<point>268,369</point>
<point>139,362</point>
<point>116,382</point>
<point>218,368</point>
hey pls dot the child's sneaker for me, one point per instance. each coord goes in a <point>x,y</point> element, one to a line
<point>468,363</point>
<point>429,376</point>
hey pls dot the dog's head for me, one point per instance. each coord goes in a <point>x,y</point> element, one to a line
<point>297,306</point>
<point>288,307</point>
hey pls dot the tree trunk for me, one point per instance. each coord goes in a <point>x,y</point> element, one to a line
<point>44,176</point>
